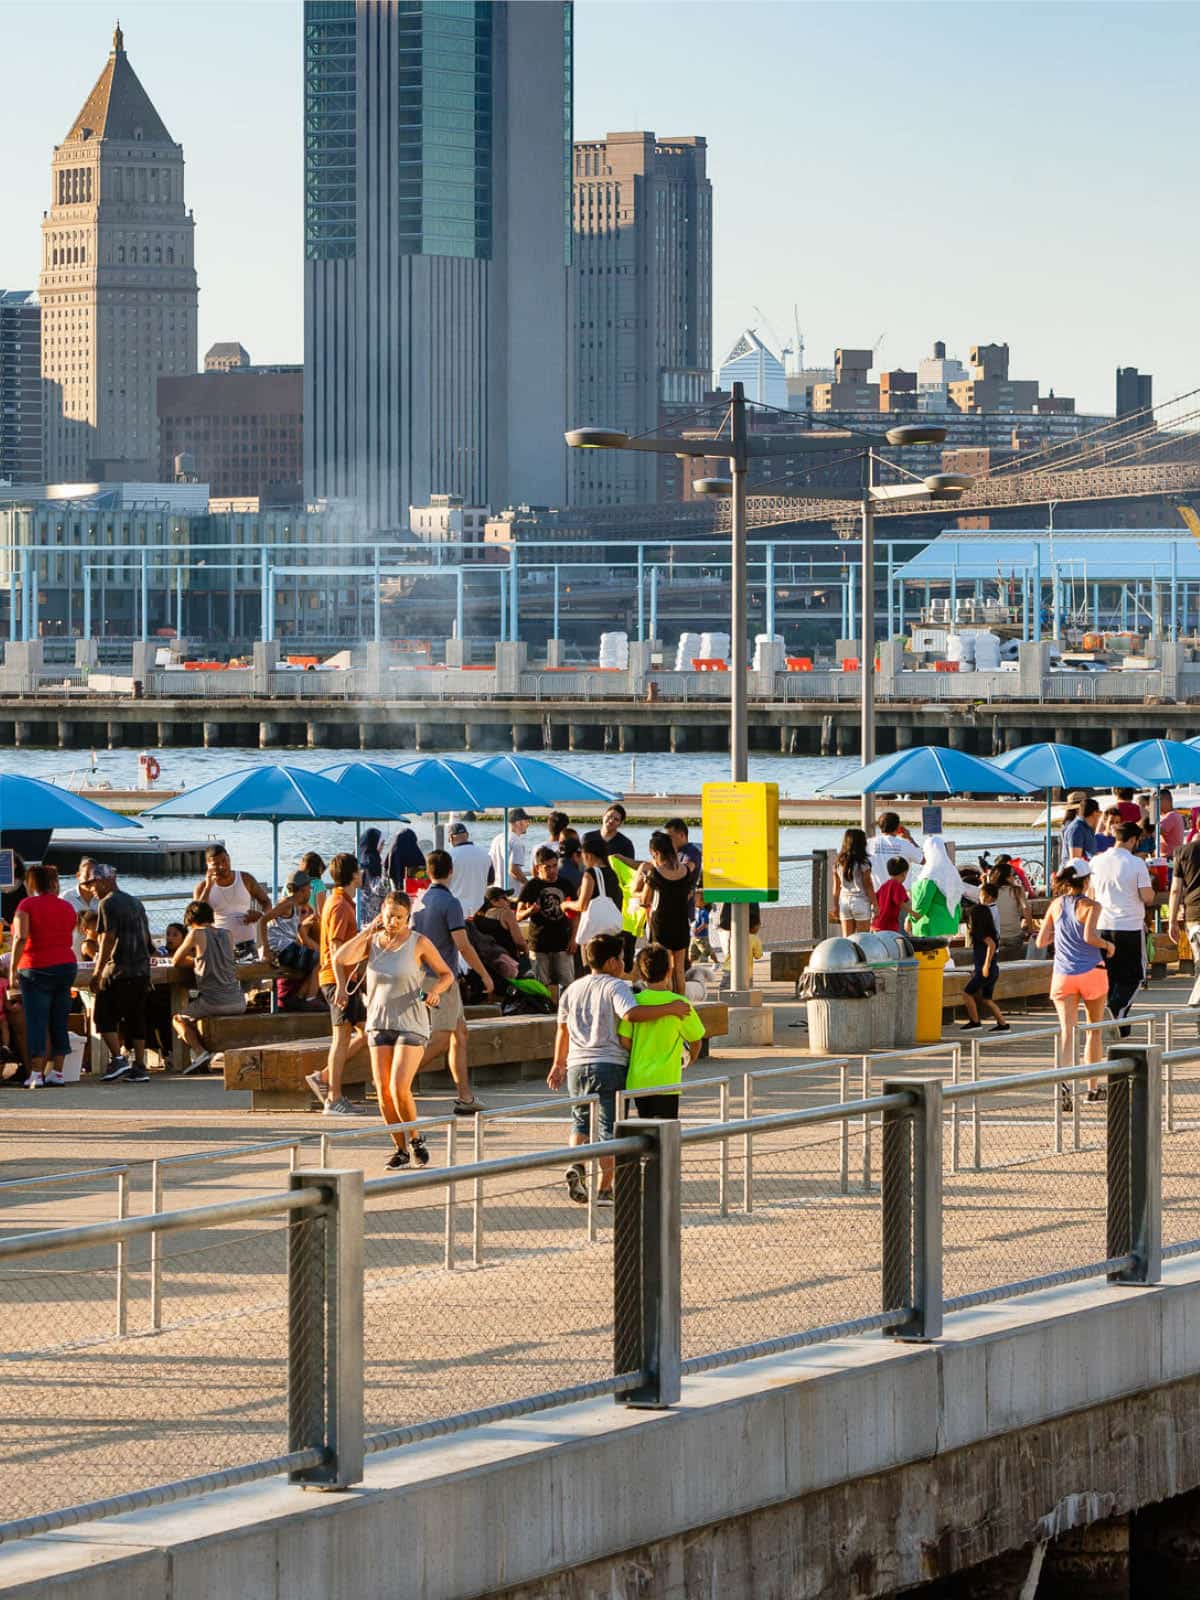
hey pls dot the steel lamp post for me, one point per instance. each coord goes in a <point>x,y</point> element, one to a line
<point>738,449</point>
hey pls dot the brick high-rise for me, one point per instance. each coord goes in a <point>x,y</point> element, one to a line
<point>641,303</point>
<point>117,286</point>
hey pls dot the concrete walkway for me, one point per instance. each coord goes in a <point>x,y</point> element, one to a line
<point>90,1413</point>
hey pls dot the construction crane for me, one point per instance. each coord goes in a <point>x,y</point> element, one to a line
<point>785,350</point>
<point>877,346</point>
<point>798,347</point>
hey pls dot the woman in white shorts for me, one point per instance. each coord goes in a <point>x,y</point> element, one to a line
<point>853,886</point>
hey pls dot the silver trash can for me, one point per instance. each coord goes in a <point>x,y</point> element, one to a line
<point>839,989</point>
<point>880,956</point>
<point>904,985</point>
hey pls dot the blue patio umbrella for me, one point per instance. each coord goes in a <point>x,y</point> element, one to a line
<point>929,769</point>
<point>462,786</point>
<point>1159,764</point>
<point>542,781</point>
<point>388,786</point>
<point>32,805</point>
<point>1062,766</point>
<point>277,794</point>
<point>31,809</point>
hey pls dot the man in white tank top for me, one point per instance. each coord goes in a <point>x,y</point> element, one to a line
<point>237,899</point>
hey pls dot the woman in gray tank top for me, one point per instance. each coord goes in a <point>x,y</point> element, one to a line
<point>208,950</point>
<point>405,979</point>
<point>1070,924</point>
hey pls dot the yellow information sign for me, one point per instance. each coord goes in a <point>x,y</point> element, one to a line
<point>741,841</point>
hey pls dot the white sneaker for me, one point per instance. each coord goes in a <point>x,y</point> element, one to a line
<point>55,1078</point>
<point>35,1081</point>
<point>316,1083</point>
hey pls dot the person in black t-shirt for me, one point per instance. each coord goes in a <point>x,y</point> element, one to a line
<point>540,905</point>
<point>619,844</point>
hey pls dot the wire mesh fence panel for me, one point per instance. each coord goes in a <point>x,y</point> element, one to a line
<point>1015,1209</point>
<point>92,1413</point>
<point>806,1255</point>
<point>1181,1152</point>
<point>526,1308</point>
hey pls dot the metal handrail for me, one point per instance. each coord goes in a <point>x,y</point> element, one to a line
<point>813,1115</point>
<point>93,1233</point>
<point>66,1177</point>
<point>1028,1080</point>
<point>563,1156</point>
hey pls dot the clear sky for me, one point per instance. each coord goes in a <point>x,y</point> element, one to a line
<point>967,171</point>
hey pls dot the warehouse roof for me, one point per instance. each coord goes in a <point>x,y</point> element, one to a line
<point>1121,554</point>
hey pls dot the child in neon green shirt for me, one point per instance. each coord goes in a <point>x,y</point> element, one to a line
<point>656,1049</point>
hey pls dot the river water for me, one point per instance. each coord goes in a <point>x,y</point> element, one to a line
<point>250,842</point>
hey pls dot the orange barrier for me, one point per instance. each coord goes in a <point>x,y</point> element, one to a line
<point>945,666</point>
<point>704,664</point>
<point>799,663</point>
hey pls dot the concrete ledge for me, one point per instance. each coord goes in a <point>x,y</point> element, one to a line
<point>885,1464</point>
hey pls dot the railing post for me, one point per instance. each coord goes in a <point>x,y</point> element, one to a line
<point>325,1328</point>
<point>156,1259</point>
<point>477,1197</point>
<point>1135,1163</point>
<point>723,1158</point>
<point>911,1209</point>
<point>747,1146</point>
<point>647,1288</point>
<point>451,1194</point>
<point>122,1255</point>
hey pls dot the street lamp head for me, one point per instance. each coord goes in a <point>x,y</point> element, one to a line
<point>948,485</point>
<point>718,486</point>
<point>596,439</point>
<point>915,433</point>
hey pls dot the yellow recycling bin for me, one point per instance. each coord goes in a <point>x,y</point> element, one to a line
<point>930,964</point>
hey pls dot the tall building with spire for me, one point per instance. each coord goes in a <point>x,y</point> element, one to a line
<point>118,282</point>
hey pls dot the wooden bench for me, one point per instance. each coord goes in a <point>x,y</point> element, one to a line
<point>502,1050</point>
<point>1017,980</point>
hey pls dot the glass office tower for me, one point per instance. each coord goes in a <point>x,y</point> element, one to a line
<point>437,148</point>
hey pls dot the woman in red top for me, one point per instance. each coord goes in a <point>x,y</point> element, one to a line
<point>43,959</point>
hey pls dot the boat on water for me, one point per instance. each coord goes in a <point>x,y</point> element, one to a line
<point>90,783</point>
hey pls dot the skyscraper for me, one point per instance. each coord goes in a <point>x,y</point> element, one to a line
<point>118,285</point>
<point>641,301</point>
<point>758,369</point>
<point>437,140</point>
<point>20,386</point>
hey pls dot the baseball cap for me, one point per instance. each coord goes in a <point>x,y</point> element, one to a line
<point>1077,797</point>
<point>1077,868</point>
<point>298,880</point>
<point>458,830</point>
<point>519,814</point>
<point>101,869</point>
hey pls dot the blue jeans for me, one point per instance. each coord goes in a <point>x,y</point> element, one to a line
<point>602,1078</point>
<point>46,996</point>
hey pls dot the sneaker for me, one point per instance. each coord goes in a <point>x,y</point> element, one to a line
<point>137,1073</point>
<point>1065,1098</point>
<point>576,1185</point>
<point>1001,1027</point>
<point>1097,1096</point>
<point>118,1067</point>
<point>341,1107</point>
<point>198,1063</point>
<point>420,1151</point>
<point>967,1026</point>
<point>467,1108</point>
<point>398,1160</point>
<point>316,1083</point>
<point>604,1198</point>
<point>55,1079</point>
<point>34,1081</point>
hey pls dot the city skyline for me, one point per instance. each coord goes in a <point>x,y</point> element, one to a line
<point>1062,252</point>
